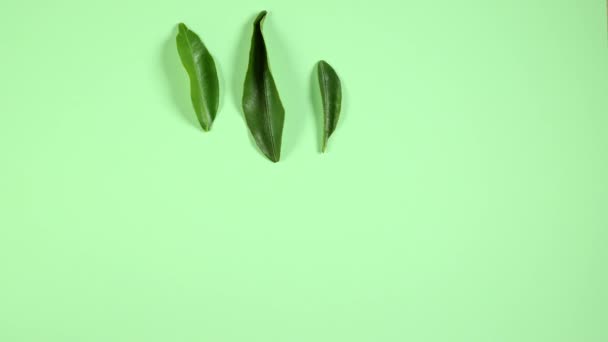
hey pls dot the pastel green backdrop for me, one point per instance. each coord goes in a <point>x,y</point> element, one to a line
<point>463,197</point>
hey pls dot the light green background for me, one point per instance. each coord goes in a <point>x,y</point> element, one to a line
<point>464,196</point>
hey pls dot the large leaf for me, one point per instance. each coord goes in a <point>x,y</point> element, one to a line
<point>262,106</point>
<point>204,84</point>
<point>331,93</point>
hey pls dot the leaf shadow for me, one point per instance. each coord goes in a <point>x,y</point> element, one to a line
<point>222,86</point>
<point>177,80</point>
<point>344,119</point>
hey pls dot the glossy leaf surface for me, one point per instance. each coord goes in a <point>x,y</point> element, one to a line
<point>262,106</point>
<point>200,66</point>
<point>331,94</point>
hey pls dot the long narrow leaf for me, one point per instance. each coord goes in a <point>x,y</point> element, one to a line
<point>200,66</point>
<point>331,93</point>
<point>262,106</point>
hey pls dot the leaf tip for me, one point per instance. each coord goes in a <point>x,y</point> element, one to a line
<point>260,17</point>
<point>325,66</point>
<point>273,156</point>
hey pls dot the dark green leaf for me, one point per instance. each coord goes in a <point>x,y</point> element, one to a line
<point>263,109</point>
<point>331,93</point>
<point>204,85</point>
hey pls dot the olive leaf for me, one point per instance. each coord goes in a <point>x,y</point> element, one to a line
<point>331,94</point>
<point>262,106</point>
<point>200,66</point>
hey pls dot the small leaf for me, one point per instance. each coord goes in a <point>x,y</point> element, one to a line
<point>331,93</point>
<point>204,84</point>
<point>262,106</point>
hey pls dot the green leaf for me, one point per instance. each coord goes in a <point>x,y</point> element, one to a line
<point>204,84</point>
<point>331,93</point>
<point>262,106</point>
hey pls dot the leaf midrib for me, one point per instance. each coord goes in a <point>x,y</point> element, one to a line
<point>265,79</point>
<point>269,125</point>
<point>197,73</point>
<point>326,105</point>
